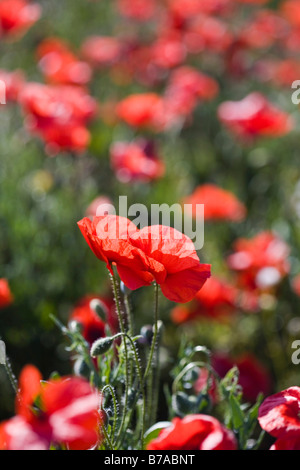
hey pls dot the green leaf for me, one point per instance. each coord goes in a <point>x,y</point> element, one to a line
<point>238,417</point>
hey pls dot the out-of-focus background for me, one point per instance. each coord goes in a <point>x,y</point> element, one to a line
<point>252,151</point>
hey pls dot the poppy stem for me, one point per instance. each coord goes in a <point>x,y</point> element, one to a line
<point>153,350</point>
<point>122,328</point>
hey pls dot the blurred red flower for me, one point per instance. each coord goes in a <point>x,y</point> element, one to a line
<point>136,161</point>
<point>62,411</point>
<point>216,299</point>
<point>194,432</point>
<point>14,82</point>
<point>17,16</point>
<point>101,205</point>
<point>154,253</point>
<point>219,204</point>
<point>254,378</point>
<point>279,416</point>
<point>141,110</point>
<point>93,326</point>
<point>260,262</point>
<point>59,115</point>
<point>290,9</point>
<point>254,117</point>
<point>60,66</point>
<point>139,10</point>
<point>102,51</point>
<point>6,297</point>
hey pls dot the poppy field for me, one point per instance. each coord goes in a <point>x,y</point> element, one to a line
<point>149,225</point>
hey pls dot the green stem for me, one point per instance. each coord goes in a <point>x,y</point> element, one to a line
<point>110,388</point>
<point>122,328</point>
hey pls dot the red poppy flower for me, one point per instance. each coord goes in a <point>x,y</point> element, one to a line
<point>136,161</point>
<point>93,326</point>
<point>219,204</point>
<point>260,262</point>
<point>190,8</point>
<point>17,16</point>
<point>141,110</point>
<point>62,411</point>
<point>6,297</point>
<point>154,253</point>
<point>140,10</point>
<point>253,117</point>
<point>59,115</point>
<point>60,66</point>
<point>194,432</point>
<point>279,414</point>
<point>174,262</point>
<point>108,238</point>
<point>102,51</point>
<point>168,51</point>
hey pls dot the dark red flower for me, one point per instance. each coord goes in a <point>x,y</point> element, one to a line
<point>219,204</point>
<point>59,115</point>
<point>60,66</point>
<point>279,414</point>
<point>254,117</point>
<point>93,326</point>
<point>6,297</point>
<point>286,444</point>
<point>17,16</point>
<point>194,432</point>
<point>254,378</point>
<point>62,411</point>
<point>260,262</point>
<point>136,161</point>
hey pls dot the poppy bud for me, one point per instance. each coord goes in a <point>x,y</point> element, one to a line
<point>101,346</point>
<point>99,308</point>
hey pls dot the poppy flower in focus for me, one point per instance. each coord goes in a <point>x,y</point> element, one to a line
<point>17,16</point>
<point>6,297</point>
<point>155,253</point>
<point>219,204</point>
<point>108,238</point>
<point>254,117</point>
<point>194,432</point>
<point>136,161</point>
<point>216,299</point>
<point>102,51</point>
<point>93,326</point>
<point>141,110</point>
<point>59,115</point>
<point>261,262</point>
<point>139,10</point>
<point>174,262</point>
<point>61,412</point>
<point>14,82</point>
<point>60,66</point>
<point>279,416</point>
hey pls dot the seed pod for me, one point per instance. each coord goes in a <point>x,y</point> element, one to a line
<point>101,346</point>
